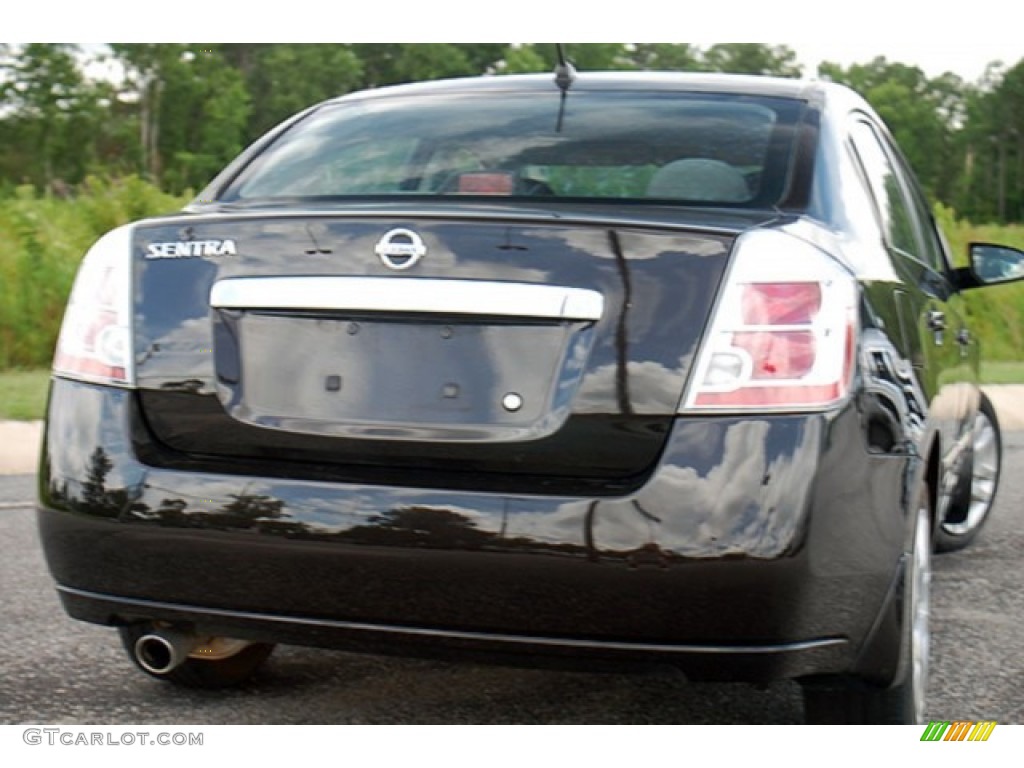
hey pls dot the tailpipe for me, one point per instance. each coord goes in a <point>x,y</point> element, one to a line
<point>163,650</point>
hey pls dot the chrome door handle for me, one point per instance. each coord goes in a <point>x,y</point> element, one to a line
<point>936,320</point>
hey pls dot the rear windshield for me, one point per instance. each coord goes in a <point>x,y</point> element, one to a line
<point>695,149</point>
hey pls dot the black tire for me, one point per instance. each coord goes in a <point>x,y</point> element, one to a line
<point>228,672</point>
<point>849,700</point>
<point>975,493</point>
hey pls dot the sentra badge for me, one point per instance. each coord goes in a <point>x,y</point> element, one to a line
<point>191,249</point>
<point>400,248</point>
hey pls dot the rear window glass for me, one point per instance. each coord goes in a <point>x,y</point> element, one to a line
<point>697,149</point>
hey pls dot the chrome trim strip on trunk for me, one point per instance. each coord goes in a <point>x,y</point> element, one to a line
<point>142,605</point>
<point>405,294</point>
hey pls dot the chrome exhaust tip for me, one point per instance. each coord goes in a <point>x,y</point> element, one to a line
<point>162,651</point>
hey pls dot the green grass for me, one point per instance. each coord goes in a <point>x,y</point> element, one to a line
<point>1002,373</point>
<point>23,394</point>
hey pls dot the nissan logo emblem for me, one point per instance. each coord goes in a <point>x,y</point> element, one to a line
<point>400,248</point>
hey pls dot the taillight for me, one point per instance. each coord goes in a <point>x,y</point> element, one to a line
<point>783,333</point>
<point>95,342</point>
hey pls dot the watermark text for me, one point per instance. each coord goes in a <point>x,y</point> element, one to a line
<point>67,737</point>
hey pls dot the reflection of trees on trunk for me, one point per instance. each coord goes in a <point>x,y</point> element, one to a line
<point>95,497</point>
<point>245,511</point>
<point>172,509</point>
<point>404,527</point>
<point>440,528</point>
<point>421,526</point>
<point>252,507</point>
<point>622,328</point>
<point>94,487</point>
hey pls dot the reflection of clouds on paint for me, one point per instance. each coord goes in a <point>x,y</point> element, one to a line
<point>591,242</point>
<point>786,496</point>
<point>189,343</point>
<point>653,387</point>
<point>562,525</point>
<point>596,242</point>
<point>652,302</point>
<point>700,516</point>
<point>745,505</point>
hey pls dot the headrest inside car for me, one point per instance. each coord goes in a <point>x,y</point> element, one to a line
<point>699,178</point>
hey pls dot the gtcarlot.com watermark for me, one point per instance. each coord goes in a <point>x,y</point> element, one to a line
<point>70,737</point>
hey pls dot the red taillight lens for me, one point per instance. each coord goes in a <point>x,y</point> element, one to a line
<point>780,303</point>
<point>783,334</point>
<point>95,342</point>
<point>778,354</point>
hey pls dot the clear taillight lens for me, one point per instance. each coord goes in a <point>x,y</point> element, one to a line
<point>783,334</point>
<point>95,342</point>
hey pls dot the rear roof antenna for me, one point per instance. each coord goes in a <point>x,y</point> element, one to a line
<point>565,73</point>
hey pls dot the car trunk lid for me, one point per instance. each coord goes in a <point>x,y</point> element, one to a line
<point>534,345</point>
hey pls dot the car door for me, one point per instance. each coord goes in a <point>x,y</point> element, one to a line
<point>932,317</point>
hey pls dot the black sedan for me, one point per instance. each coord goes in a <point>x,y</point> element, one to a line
<point>594,369</point>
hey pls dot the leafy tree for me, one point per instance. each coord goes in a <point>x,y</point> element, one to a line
<point>207,126</point>
<point>752,59</point>
<point>922,114</point>
<point>525,58</point>
<point>283,79</point>
<point>992,183</point>
<point>408,62</point>
<point>679,57</point>
<point>193,108</point>
<point>598,56</point>
<point>148,67</point>
<point>50,110</point>
<point>483,57</point>
<point>1010,97</point>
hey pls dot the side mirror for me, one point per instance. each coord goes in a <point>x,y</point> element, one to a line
<point>994,264</point>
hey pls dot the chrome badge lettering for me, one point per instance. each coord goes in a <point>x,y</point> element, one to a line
<point>191,249</point>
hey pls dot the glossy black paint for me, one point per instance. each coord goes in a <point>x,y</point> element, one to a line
<point>774,533</point>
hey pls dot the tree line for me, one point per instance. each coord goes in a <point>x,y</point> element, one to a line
<point>175,113</point>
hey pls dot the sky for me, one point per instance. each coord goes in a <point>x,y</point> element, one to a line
<point>934,60</point>
<point>937,36</point>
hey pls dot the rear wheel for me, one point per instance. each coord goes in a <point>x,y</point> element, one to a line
<point>851,700</point>
<point>976,492</point>
<point>217,662</point>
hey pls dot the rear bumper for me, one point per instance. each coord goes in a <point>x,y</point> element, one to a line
<point>758,549</point>
<point>759,662</point>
